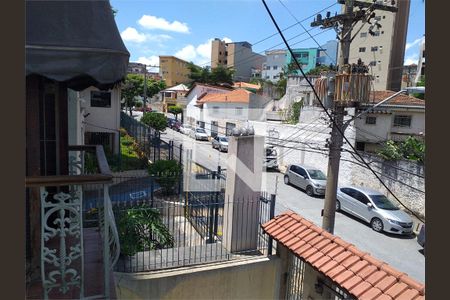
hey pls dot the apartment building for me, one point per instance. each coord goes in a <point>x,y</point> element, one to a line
<point>275,62</point>
<point>421,66</point>
<point>307,58</point>
<point>384,50</point>
<point>236,55</point>
<point>328,53</point>
<point>173,70</point>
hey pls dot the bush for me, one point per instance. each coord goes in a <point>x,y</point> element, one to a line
<point>411,148</point>
<point>142,229</point>
<point>166,173</point>
<point>155,120</point>
<point>390,151</point>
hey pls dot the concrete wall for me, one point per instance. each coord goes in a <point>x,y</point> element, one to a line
<point>243,59</point>
<point>250,279</point>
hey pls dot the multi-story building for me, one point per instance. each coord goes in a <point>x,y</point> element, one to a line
<point>135,68</point>
<point>307,58</point>
<point>421,66</point>
<point>275,62</point>
<point>173,70</point>
<point>236,55</point>
<point>328,53</point>
<point>383,51</point>
<point>409,75</point>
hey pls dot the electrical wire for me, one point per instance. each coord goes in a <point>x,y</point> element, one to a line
<point>332,119</point>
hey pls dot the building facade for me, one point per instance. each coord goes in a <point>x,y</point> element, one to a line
<point>135,68</point>
<point>421,65</point>
<point>173,70</point>
<point>328,53</point>
<point>306,57</point>
<point>409,75</point>
<point>237,55</point>
<point>383,51</point>
<point>275,62</point>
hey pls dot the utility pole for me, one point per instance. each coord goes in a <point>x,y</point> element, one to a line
<point>346,20</point>
<point>145,88</point>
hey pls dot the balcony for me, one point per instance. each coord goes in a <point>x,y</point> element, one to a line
<point>73,243</point>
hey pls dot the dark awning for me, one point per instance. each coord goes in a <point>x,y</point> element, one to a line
<point>76,42</point>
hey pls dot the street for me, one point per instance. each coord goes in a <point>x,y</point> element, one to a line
<point>401,252</point>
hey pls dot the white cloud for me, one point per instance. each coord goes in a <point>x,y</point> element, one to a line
<point>132,35</point>
<point>200,55</point>
<point>152,61</point>
<point>187,53</point>
<point>227,40</point>
<point>416,42</point>
<point>412,59</point>
<point>152,22</point>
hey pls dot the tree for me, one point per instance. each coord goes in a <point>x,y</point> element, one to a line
<point>166,173</point>
<point>155,120</point>
<point>176,110</point>
<point>421,82</point>
<point>134,87</point>
<point>294,112</point>
<point>320,68</point>
<point>217,75</point>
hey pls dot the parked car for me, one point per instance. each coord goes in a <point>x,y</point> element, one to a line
<point>173,124</point>
<point>374,208</point>
<point>421,237</point>
<point>185,129</point>
<point>220,143</point>
<point>270,159</point>
<point>199,134</point>
<point>312,180</point>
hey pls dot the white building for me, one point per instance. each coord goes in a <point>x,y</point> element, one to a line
<point>421,65</point>
<point>275,62</point>
<point>395,120</point>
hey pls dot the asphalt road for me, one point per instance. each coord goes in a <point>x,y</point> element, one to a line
<point>401,252</point>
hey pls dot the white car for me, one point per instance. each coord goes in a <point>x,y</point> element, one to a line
<point>374,208</point>
<point>185,129</point>
<point>199,134</point>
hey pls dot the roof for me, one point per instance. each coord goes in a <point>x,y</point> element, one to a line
<point>246,85</point>
<point>358,272</point>
<point>236,96</point>
<point>207,85</point>
<point>181,87</point>
<point>76,42</point>
<point>401,99</point>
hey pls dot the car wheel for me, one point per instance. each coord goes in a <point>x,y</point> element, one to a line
<point>338,205</point>
<point>286,179</point>
<point>309,191</point>
<point>376,224</point>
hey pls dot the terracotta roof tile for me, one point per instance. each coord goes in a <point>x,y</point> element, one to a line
<point>362,275</point>
<point>373,293</point>
<point>352,282</point>
<point>409,294</point>
<point>236,96</point>
<point>395,290</point>
<point>401,99</point>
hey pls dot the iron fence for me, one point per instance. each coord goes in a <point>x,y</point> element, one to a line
<point>203,228</point>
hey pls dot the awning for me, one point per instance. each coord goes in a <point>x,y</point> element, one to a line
<point>76,42</point>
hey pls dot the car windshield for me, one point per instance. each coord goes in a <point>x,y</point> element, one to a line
<point>199,130</point>
<point>224,139</point>
<point>317,174</point>
<point>271,152</point>
<point>382,202</point>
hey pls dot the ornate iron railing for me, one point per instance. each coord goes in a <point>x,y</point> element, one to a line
<point>62,263</point>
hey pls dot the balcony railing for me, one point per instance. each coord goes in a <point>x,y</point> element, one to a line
<point>76,257</point>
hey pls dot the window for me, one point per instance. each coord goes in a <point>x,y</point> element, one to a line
<point>362,49</point>
<point>275,77</point>
<point>361,197</point>
<point>267,67</point>
<point>100,99</point>
<point>300,171</point>
<point>360,146</point>
<point>373,63</point>
<point>363,34</point>
<point>375,48</point>
<point>275,67</point>
<point>402,121</point>
<point>215,109</point>
<point>371,120</point>
<point>239,111</point>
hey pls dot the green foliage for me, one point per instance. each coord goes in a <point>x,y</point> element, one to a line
<point>138,104</point>
<point>142,229</point>
<point>421,82</point>
<point>134,87</point>
<point>130,157</point>
<point>90,163</point>
<point>294,112</point>
<point>167,173</point>
<point>176,110</point>
<point>411,148</point>
<point>319,69</point>
<point>214,76</point>
<point>155,120</point>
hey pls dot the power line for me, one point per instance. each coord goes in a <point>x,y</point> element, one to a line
<point>331,118</point>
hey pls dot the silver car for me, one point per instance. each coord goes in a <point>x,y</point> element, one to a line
<point>185,129</point>
<point>313,181</point>
<point>374,208</point>
<point>199,134</point>
<point>220,143</point>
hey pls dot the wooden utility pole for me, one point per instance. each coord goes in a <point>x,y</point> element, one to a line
<point>145,88</point>
<point>346,20</point>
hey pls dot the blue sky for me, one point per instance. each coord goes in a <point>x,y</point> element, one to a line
<point>185,28</point>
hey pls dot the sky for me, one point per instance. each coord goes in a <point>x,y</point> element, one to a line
<point>185,28</point>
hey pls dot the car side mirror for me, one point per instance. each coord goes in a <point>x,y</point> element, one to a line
<point>369,205</point>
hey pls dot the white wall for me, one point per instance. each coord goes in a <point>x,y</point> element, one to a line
<point>193,111</point>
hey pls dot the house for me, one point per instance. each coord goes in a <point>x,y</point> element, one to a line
<point>174,95</point>
<point>197,90</point>
<point>395,120</point>
<point>221,112</point>
<point>101,117</point>
<point>64,257</point>
<point>254,88</point>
